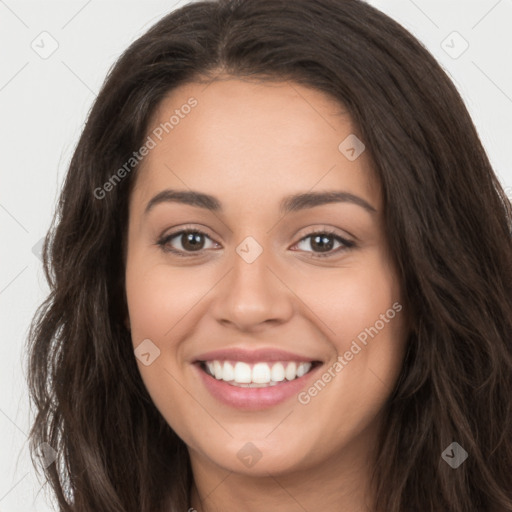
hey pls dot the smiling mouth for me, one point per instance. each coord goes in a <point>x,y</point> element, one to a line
<point>257,375</point>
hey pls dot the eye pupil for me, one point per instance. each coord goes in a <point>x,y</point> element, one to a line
<point>322,242</point>
<point>193,240</point>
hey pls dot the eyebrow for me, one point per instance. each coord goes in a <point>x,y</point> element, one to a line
<point>292,203</point>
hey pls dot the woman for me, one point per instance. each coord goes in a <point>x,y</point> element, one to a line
<point>281,277</point>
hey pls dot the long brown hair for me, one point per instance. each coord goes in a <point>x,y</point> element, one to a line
<point>448,221</point>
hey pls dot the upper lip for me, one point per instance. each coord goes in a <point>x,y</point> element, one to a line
<point>252,356</point>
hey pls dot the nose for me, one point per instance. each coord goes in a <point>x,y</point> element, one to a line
<point>253,294</point>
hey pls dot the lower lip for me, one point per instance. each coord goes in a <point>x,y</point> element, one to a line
<point>254,398</point>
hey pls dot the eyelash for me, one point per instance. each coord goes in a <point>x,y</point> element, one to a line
<point>163,241</point>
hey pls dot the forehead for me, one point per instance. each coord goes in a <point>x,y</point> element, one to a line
<point>252,138</point>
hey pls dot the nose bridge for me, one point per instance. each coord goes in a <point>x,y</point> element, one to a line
<point>250,275</point>
<point>252,293</point>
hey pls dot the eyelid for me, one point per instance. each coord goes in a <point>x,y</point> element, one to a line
<point>322,228</point>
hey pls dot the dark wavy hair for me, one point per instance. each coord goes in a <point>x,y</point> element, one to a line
<point>448,222</point>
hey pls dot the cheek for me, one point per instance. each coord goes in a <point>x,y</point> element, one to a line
<point>146,304</point>
<point>360,312</point>
<point>158,296</point>
<point>350,299</point>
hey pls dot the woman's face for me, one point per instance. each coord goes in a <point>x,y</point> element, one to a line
<point>257,295</point>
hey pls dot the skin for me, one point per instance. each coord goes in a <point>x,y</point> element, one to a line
<point>250,144</point>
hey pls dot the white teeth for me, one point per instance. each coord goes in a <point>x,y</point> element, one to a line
<point>302,369</point>
<point>277,372</point>
<point>228,372</point>
<point>242,373</point>
<point>258,375</point>
<point>291,371</point>
<point>217,366</point>
<point>261,373</point>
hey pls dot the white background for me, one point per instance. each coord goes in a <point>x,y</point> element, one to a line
<point>44,103</point>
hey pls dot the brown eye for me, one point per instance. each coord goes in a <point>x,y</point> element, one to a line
<point>323,242</point>
<point>188,241</point>
<point>192,241</point>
